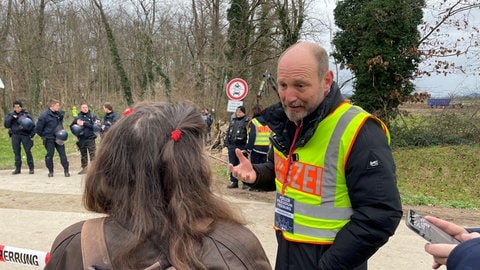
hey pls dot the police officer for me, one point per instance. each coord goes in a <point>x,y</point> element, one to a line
<point>207,117</point>
<point>258,137</point>
<point>258,142</point>
<point>87,133</point>
<point>236,138</point>
<point>21,129</point>
<point>50,128</point>
<point>109,119</point>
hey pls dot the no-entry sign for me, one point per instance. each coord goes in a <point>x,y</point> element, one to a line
<point>237,89</point>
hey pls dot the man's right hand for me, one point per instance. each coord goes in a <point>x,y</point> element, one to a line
<point>244,170</point>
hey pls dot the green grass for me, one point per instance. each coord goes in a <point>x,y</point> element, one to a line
<point>439,175</point>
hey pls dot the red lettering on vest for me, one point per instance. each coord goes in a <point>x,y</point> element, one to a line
<point>304,177</point>
<point>280,169</point>
<point>264,129</point>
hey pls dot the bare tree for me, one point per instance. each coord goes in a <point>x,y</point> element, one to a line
<point>4,30</point>
<point>291,15</point>
<point>440,43</point>
<point>26,45</point>
<point>167,50</point>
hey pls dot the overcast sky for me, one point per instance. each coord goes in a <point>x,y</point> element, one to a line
<point>437,85</point>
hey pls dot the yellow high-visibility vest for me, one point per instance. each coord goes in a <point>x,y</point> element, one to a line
<point>312,201</point>
<point>262,133</point>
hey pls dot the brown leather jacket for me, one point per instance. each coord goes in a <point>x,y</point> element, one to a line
<point>228,246</point>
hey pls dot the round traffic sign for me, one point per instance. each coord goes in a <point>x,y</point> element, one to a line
<point>237,89</point>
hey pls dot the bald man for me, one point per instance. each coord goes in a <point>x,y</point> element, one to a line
<point>337,200</point>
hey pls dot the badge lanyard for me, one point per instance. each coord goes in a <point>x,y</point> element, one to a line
<point>290,157</point>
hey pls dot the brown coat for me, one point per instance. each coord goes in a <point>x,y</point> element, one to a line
<point>228,246</point>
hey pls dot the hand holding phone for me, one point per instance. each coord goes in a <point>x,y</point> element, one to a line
<point>427,230</point>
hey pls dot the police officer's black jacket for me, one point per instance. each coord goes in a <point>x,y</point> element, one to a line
<point>237,132</point>
<point>373,192</point>
<point>48,123</point>
<point>88,125</point>
<point>109,119</point>
<point>11,122</point>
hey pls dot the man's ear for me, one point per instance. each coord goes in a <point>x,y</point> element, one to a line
<point>327,80</point>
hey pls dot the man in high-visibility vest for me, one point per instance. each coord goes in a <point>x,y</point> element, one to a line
<point>258,138</point>
<point>258,134</point>
<point>337,200</point>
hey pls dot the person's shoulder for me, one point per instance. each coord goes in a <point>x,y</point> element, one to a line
<point>43,114</point>
<point>242,236</point>
<point>67,234</point>
<point>66,251</point>
<point>372,127</point>
<point>71,230</point>
<point>27,114</point>
<point>242,248</point>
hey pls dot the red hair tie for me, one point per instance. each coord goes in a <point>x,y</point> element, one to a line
<point>176,135</point>
<point>127,111</point>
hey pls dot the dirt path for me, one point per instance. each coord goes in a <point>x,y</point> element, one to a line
<point>35,208</point>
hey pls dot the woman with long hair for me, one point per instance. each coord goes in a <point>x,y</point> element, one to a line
<point>152,180</point>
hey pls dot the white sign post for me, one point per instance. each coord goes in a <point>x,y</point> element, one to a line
<point>1,84</point>
<point>233,105</point>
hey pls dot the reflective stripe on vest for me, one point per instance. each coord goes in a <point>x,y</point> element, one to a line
<point>316,181</point>
<point>263,133</point>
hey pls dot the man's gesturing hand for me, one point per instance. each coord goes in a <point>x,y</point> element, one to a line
<point>244,170</point>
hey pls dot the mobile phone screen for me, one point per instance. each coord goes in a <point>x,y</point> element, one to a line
<point>427,230</point>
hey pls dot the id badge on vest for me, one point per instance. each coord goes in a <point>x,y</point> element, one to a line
<point>284,209</point>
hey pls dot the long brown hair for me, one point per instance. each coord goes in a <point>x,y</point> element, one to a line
<point>155,186</point>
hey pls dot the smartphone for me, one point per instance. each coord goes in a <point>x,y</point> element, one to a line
<point>427,230</point>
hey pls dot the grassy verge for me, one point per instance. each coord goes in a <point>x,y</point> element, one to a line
<point>439,175</point>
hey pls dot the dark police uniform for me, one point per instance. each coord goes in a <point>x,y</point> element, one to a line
<point>20,136</point>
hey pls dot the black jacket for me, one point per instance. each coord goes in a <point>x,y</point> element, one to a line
<point>11,122</point>
<point>88,125</point>
<point>109,119</point>
<point>48,123</point>
<point>373,192</point>
<point>465,255</point>
<point>237,132</point>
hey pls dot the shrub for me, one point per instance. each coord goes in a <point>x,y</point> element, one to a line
<point>449,127</point>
